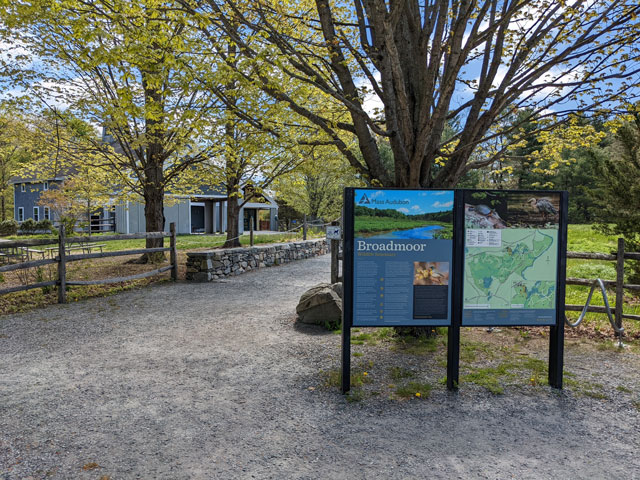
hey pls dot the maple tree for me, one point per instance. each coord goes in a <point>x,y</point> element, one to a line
<point>130,68</point>
<point>429,65</point>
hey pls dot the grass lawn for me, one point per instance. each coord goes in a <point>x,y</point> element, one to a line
<point>183,242</point>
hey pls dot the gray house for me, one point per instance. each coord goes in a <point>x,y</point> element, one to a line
<point>26,193</point>
<point>26,198</point>
<point>201,213</point>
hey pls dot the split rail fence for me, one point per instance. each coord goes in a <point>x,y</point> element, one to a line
<point>64,256</point>
<point>618,284</point>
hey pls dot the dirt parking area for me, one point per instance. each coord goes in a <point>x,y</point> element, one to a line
<point>216,381</point>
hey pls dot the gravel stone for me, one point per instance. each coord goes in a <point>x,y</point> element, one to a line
<point>215,380</point>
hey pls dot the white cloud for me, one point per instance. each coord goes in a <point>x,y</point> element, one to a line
<point>376,194</point>
<point>442,205</point>
<point>416,208</point>
<point>403,210</point>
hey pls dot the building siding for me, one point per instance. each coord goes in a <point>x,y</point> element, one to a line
<point>29,198</point>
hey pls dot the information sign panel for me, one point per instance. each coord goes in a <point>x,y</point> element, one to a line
<point>402,248</point>
<point>511,251</point>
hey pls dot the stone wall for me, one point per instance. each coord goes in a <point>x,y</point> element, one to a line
<point>213,264</point>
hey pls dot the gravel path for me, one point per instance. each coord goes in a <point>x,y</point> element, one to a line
<point>212,381</point>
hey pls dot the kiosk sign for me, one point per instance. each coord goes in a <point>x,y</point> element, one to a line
<point>402,257</point>
<point>510,258</point>
<point>454,258</point>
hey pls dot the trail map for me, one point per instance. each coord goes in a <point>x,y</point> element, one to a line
<point>519,273</point>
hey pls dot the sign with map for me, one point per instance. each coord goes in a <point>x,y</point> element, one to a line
<point>510,257</point>
<point>402,255</point>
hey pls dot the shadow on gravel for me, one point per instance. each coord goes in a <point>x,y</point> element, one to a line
<point>313,330</point>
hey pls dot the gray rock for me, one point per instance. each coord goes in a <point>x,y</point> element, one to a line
<point>320,305</point>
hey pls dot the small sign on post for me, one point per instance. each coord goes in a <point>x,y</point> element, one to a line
<point>333,232</point>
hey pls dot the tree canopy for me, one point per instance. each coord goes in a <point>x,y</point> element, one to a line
<point>432,64</point>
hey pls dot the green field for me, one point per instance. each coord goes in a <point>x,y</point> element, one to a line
<point>376,225</point>
<point>183,242</point>
<point>582,238</point>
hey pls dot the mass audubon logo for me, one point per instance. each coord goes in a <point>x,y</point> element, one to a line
<point>365,200</point>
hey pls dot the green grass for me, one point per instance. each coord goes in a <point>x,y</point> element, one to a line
<point>183,242</point>
<point>527,370</point>
<point>398,373</point>
<point>583,238</point>
<point>414,389</point>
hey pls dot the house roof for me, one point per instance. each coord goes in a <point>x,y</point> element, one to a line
<point>34,179</point>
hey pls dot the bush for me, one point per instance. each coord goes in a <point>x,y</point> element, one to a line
<point>29,226</point>
<point>69,224</point>
<point>45,226</point>
<point>9,227</point>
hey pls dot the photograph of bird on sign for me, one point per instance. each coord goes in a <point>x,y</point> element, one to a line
<point>511,209</point>
<point>534,209</point>
<point>431,273</point>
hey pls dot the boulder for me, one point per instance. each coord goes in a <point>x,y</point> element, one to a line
<point>321,305</point>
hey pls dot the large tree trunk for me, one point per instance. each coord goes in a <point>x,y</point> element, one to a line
<point>154,213</point>
<point>233,222</point>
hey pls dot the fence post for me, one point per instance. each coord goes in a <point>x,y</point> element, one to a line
<point>619,284</point>
<point>62,267</point>
<point>173,253</point>
<point>335,265</point>
<point>251,219</point>
<point>304,227</point>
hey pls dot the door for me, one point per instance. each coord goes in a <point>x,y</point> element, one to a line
<point>197,218</point>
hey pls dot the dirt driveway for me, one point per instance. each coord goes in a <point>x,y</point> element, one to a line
<point>215,381</point>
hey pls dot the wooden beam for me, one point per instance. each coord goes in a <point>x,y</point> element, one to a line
<point>32,242</point>
<point>125,236</point>
<point>591,256</point>
<point>587,283</point>
<point>119,253</point>
<point>120,279</point>
<point>27,287</point>
<point>30,264</point>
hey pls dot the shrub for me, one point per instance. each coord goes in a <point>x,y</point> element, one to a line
<point>9,227</point>
<point>29,226</point>
<point>69,224</point>
<point>45,225</point>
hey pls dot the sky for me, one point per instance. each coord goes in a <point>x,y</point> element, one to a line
<point>409,202</point>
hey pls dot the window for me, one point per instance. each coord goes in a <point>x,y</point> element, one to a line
<point>45,186</point>
<point>46,214</point>
<point>36,214</point>
<point>23,187</point>
<point>21,214</point>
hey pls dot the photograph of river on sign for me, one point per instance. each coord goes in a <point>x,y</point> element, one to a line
<point>402,214</point>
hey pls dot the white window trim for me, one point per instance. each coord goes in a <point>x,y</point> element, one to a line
<point>23,187</point>
<point>36,214</point>
<point>45,186</point>
<point>21,214</point>
<point>46,213</point>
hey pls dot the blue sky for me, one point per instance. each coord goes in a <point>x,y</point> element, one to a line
<point>410,202</point>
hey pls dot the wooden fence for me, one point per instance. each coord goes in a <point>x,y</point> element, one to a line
<point>618,284</point>
<point>63,257</point>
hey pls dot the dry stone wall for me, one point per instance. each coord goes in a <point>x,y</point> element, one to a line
<point>213,264</point>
